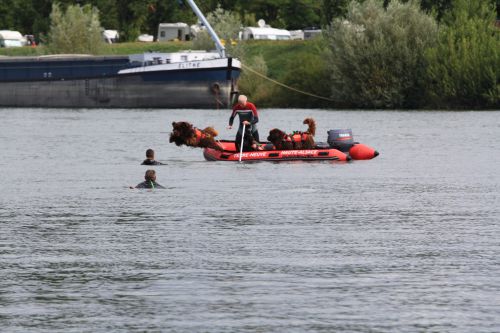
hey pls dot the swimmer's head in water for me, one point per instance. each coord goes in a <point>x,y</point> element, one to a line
<point>150,175</point>
<point>150,153</point>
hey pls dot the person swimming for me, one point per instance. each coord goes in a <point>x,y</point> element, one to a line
<point>150,158</point>
<point>149,182</point>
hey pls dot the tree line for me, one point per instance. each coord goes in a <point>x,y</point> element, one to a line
<point>372,54</point>
<point>133,17</point>
<point>393,55</point>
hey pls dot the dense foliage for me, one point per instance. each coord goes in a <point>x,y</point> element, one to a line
<point>307,72</point>
<point>227,25</point>
<point>464,67</point>
<point>75,30</point>
<point>133,17</point>
<point>377,54</point>
<point>333,9</point>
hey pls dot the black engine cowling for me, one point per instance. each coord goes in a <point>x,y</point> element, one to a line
<point>341,139</point>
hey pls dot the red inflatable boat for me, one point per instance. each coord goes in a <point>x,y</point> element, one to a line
<point>340,147</point>
<point>230,154</point>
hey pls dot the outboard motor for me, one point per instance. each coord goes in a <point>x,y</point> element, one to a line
<point>341,139</point>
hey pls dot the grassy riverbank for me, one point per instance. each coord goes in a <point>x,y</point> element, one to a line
<point>300,65</point>
<point>109,49</point>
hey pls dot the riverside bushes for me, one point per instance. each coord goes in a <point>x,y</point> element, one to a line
<point>464,67</point>
<point>227,25</point>
<point>399,58</point>
<point>75,30</point>
<point>251,82</point>
<point>377,54</point>
<point>306,71</point>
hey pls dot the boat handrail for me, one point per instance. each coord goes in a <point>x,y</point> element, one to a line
<point>55,56</point>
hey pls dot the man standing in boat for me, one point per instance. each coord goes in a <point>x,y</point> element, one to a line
<point>248,115</point>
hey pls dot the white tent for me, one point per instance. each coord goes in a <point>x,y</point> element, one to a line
<point>265,33</point>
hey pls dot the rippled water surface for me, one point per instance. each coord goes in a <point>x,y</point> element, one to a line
<point>407,242</point>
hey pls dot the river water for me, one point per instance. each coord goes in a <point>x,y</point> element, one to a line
<point>406,242</point>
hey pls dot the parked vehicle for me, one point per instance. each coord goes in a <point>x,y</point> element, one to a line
<point>110,36</point>
<point>145,38</point>
<point>310,33</point>
<point>297,34</point>
<point>10,38</point>
<point>173,31</point>
<point>30,40</point>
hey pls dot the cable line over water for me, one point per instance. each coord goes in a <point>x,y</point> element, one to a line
<point>284,85</point>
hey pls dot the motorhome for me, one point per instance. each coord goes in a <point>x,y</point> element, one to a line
<point>297,34</point>
<point>173,31</point>
<point>310,33</point>
<point>9,38</point>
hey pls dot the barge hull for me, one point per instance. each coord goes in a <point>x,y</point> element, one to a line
<point>117,82</point>
<point>115,93</point>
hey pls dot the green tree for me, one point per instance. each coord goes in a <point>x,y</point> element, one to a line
<point>377,54</point>
<point>75,30</point>
<point>227,25</point>
<point>291,14</point>
<point>305,73</point>
<point>332,9</point>
<point>438,6</point>
<point>111,19</point>
<point>464,68</point>
<point>166,11</point>
<point>251,82</point>
<point>301,14</point>
<point>208,6</point>
<point>133,17</point>
<point>5,14</point>
<point>41,17</point>
<point>269,10</point>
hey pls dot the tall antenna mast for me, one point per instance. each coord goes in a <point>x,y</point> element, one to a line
<point>220,48</point>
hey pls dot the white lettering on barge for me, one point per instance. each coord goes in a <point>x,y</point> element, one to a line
<point>186,65</point>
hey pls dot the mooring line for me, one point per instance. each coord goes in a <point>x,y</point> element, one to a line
<point>284,85</point>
